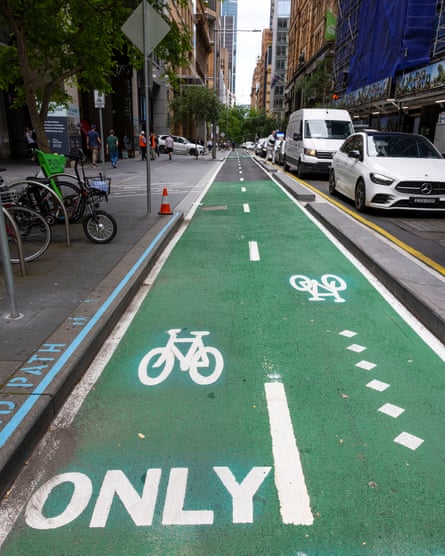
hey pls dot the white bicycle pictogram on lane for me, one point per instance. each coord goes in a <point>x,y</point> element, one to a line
<point>158,363</point>
<point>328,286</point>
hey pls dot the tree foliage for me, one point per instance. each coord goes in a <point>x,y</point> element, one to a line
<point>49,42</point>
<point>194,106</point>
<point>249,125</point>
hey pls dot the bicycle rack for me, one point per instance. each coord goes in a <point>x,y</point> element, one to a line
<point>58,200</point>
<point>19,240</point>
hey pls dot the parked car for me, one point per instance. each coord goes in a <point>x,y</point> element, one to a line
<point>261,148</point>
<point>181,145</point>
<point>313,135</point>
<point>389,170</point>
<point>249,145</point>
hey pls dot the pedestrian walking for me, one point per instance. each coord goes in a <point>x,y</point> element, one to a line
<point>143,145</point>
<point>93,143</point>
<point>271,140</point>
<point>169,146</point>
<point>31,142</point>
<point>113,148</point>
<point>153,143</point>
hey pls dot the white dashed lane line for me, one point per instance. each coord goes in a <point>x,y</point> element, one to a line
<point>405,439</point>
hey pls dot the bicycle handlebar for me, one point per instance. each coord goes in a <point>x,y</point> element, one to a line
<point>78,157</point>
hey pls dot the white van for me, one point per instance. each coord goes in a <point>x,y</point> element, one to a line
<point>313,135</point>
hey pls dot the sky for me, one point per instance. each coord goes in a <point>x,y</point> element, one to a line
<point>252,14</point>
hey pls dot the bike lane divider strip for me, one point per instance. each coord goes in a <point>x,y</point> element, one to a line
<point>210,443</point>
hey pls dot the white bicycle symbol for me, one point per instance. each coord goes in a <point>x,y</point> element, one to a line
<point>328,286</point>
<point>158,363</point>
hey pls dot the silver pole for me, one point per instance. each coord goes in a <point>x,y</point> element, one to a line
<point>102,142</point>
<point>147,106</point>
<point>215,89</point>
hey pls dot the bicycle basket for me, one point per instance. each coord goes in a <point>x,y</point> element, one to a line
<point>100,184</point>
<point>51,163</point>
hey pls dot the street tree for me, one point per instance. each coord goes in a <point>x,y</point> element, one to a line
<point>192,107</point>
<point>46,44</point>
<point>257,124</point>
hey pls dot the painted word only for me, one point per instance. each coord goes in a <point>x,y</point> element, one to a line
<point>141,508</point>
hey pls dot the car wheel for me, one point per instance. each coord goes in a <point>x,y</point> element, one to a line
<point>285,164</point>
<point>360,196</point>
<point>332,189</point>
<point>300,171</point>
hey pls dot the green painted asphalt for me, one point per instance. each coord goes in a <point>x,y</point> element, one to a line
<point>183,468</point>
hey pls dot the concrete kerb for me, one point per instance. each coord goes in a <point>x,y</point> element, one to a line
<point>111,297</point>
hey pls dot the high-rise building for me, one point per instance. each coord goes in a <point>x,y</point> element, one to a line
<point>229,24</point>
<point>279,23</point>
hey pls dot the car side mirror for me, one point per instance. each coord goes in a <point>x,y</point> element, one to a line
<point>355,154</point>
<point>297,136</point>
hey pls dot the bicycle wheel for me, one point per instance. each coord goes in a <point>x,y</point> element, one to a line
<point>100,227</point>
<point>156,366</point>
<point>34,230</point>
<point>211,360</point>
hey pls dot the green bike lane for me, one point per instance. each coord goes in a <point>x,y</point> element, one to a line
<point>321,433</point>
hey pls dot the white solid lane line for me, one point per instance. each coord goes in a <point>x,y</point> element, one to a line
<point>289,478</point>
<point>254,253</point>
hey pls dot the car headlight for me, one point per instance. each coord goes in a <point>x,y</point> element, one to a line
<point>310,152</point>
<point>381,179</point>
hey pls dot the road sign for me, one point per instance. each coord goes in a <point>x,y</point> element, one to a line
<point>99,99</point>
<point>157,28</point>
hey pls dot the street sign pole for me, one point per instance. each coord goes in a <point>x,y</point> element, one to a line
<point>99,103</point>
<point>146,28</point>
<point>147,106</point>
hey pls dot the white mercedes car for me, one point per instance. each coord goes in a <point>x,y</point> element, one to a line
<point>389,170</point>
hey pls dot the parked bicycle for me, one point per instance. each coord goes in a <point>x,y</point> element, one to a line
<point>81,196</point>
<point>84,198</point>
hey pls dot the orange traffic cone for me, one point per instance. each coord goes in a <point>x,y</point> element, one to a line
<point>165,205</point>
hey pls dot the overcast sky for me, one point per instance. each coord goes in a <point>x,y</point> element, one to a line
<point>252,14</point>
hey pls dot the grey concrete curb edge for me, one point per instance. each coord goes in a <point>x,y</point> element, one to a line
<point>15,452</point>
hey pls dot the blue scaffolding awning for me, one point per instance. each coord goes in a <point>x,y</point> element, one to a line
<point>393,35</point>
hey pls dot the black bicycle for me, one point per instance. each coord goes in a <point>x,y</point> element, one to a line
<point>84,200</point>
<point>80,195</point>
